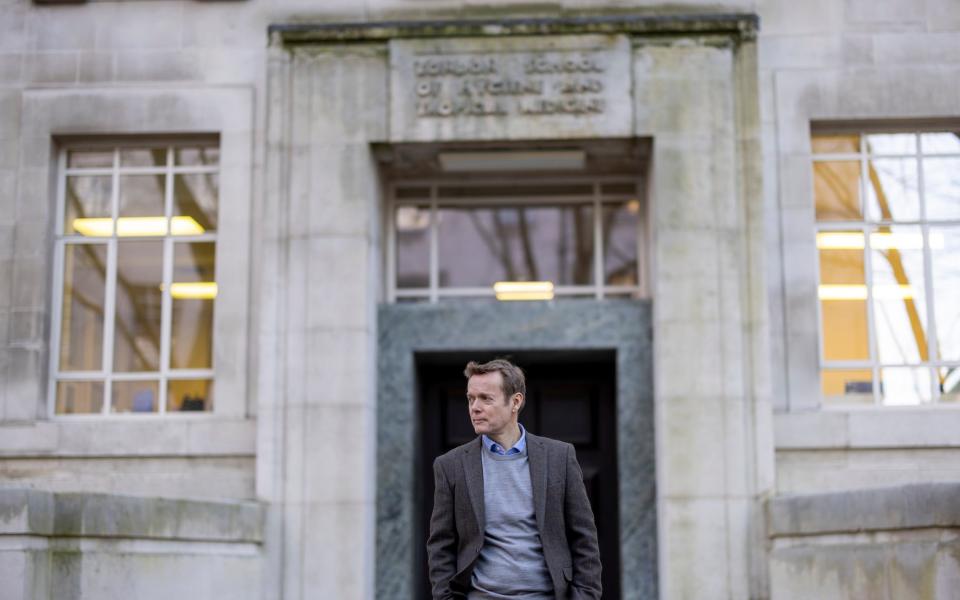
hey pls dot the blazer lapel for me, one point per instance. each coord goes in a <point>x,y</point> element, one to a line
<point>537,455</point>
<point>473,473</point>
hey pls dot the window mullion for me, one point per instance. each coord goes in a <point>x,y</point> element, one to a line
<point>434,246</point>
<point>111,291</point>
<point>598,277</point>
<point>866,228</point>
<point>166,301</point>
<point>932,342</point>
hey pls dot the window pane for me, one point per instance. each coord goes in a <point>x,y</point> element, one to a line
<point>413,246</point>
<point>899,295</point>
<point>892,189</point>
<point>852,386</point>
<point>949,384</point>
<point>89,159</point>
<point>945,260</point>
<point>621,224</point>
<point>193,291</point>
<point>87,197</point>
<point>79,397</point>
<point>143,157</point>
<point>891,143</point>
<point>940,143</point>
<point>480,246</point>
<point>195,196</point>
<point>836,144</point>
<point>201,156</point>
<point>836,190</point>
<point>189,395</point>
<point>137,316</point>
<point>134,396</point>
<point>81,321</point>
<point>142,196</point>
<point>941,188</point>
<point>843,306</point>
<point>900,386</point>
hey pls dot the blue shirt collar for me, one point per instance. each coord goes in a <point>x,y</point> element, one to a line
<point>496,448</point>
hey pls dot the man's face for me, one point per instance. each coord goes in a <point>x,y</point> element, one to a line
<point>490,412</point>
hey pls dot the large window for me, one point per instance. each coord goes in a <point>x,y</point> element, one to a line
<point>576,237</point>
<point>888,241</point>
<point>135,279</point>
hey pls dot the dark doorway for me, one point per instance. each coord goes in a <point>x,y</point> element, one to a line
<point>571,396</point>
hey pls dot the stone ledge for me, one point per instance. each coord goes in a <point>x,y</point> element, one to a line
<point>741,26</point>
<point>890,427</point>
<point>67,514</point>
<point>911,506</point>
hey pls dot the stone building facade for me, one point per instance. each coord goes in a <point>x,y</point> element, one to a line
<point>244,246</point>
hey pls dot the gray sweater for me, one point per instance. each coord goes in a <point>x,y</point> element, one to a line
<point>511,564</point>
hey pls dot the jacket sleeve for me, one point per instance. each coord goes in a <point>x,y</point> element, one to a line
<point>442,542</point>
<point>581,534</point>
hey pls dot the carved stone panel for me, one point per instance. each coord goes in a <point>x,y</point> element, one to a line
<point>510,88</point>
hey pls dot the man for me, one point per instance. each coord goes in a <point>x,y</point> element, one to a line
<point>511,518</point>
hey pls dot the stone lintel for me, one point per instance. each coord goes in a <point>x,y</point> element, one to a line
<point>741,26</point>
<point>913,506</point>
<point>69,514</point>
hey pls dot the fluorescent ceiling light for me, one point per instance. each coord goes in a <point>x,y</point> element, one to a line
<point>194,290</point>
<point>523,290</point>
<point>859,292</point>
<point>853,240</point>
<point>532,160</point>
<point>137,226</point>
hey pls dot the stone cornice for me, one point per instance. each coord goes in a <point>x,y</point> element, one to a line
<point>738,26</point>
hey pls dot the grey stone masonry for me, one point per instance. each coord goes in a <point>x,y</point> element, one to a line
<point>916,506</point>
<point>36,512</point>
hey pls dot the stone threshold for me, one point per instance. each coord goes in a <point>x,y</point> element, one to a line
<point>72,514</point>
<point>742,26</point>
<point>912,506</point>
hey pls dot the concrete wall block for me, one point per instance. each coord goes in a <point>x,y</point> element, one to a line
<point>221,26</point>
<point>820,429</point>
<point>799,51</point>
<point>10,103</point>
<point>920,428</point>
<point>886,13</point>
<point>916,48</point>
<point>338,545</point>
<point>11,68</point>
<point>943,15</point>
<point>684,347</point>
<point>338,449</point>
<point>858,49</point>
<point>796,181</point>
<point>235,65</point>
<point>13,26</point>
<point>694,539</point>
<point>69,28</point>
<point>344,188</point>
<point>234,437</point>
<point>158,65</point>
<point>813,16</point>
<point>337,296</point>
<point>340,363</point>
<point>172,477</point>
<point>28,328</point>
<point>705,445</point>
<point>349,93</point>
<point>30,278</point>
<point>24,383</point>
<point>115,437</point>
<point>51,67</point>
<point>97,67</point>
<point>821,471</point>
<point>685,195</point>
<point>138,26</point>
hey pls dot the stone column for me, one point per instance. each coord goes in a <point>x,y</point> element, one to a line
<point>697,98</point>
<point>317,383</point>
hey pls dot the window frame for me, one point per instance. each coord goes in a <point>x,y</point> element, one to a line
<point>866,226</point>
<point>596,199</point>
<point>106,374</point>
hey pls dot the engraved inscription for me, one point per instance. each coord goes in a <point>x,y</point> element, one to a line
<point>520,83</point>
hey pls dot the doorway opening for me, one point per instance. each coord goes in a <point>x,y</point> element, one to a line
<point>571,396</point>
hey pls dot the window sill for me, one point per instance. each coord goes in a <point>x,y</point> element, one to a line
<point>869,428</point>
<point>129,438</point>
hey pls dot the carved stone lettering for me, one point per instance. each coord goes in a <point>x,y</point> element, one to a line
<point>478,89</point>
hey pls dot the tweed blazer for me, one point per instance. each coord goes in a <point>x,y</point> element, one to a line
<point>564,520</point>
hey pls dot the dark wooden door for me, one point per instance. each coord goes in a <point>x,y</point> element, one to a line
<point>571,396</point>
